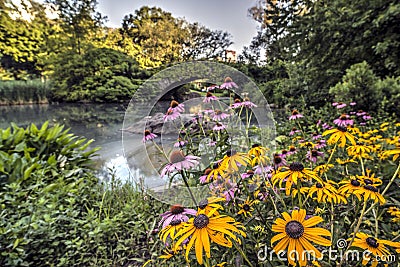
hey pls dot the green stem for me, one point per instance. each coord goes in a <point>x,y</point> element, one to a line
<point>188,188</point>
<point>355,232</point>
<point>242,253</point>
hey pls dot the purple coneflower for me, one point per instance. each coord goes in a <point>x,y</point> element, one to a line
<point>209,97</point>
<point>176,212</point>
<point>292,150</point>
<point>180,143</point>
<point>248,104</point>
<point>279,161</point>
<point>319,123</point>
<point>148,136</point>
<point>326,126</point>
<point>229,192</point>
<point>295,115</point>
<point>294,130</point>
<point>367,116</point>
<point>228,84</point>
<point>219,115</point>
<point>178,162</point>
<point>203,179</point>
<point>316,136</point>
<point>361,113</point>
<point>175,106</point>
<point>344,120</point>
<point>353,103</point>
<point>284,153</point>
<point>171,115</point>
<point>264,170</point>
<point>247,174</point>
<point>212,87</point>
<point>237,103</point>
<point>313,155</point>
<point>320,144</point>
<point>219,127</point>
<point>340,105</point>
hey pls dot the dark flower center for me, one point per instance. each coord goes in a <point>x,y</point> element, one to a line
<point>209,94</point>
<point>371,188</point>
<point>147,132</point>
<point>250,172</point>
<point>201,221</point>
<point>237,100</point>
<point>314,153</point>
<point>315,134</point>
<point>177,209</point>
<point>228,80</point>
<point>207,171</point>
<point>372,242</point>
<point>176,156</point>
<point>294,129</point>
<point>255,145</point>
<point>246,207</point>
<point>203,204</point>
<point>368,181</point>
<point>218,112</point>
<point>343,117</point>
<point>294,229</point>
<point>277,159</point>
<point>230,153</point>
<point>295,112</point>
<point>355,183</point>
<point>296,167</point>
<point>175,222</point>
<point>292,149</point>
<point>174,104</point>
<point>215,165</point>
<point>342,129</point>
<point>284,152</point>
<point>319,185</point>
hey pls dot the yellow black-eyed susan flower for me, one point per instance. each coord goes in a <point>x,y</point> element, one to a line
<point>359,150</point>
<point>211,203</point>
<point>323,168</point>
<point>206,228</point>
<point>170,230</point>
<point>349,187</point>
<point>295,233</point>
<point>216,170</point>
<point>295,173</point>
<point>258,155</point>
<point>340,134</point>
<point>233,159</point>
<point>326,192</point>
<point>370,192</point>
<point>169,253</point>
<point>246,208</point>
<point>369,178</point>
<point>375,246</point>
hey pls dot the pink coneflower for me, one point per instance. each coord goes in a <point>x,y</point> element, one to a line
<point>180,143</point>
<point>326,126</point>
<point>176,212</point>
<point>248,104</point>
<point>294,130</point>
<point>247,174</point>
<point>313,155</point>
<point>366,117</point>
<point>148,136</point>
<point>229,192</point>
<point>319,123</point>
<point>292,150</point>
<point>344,120</point>
<point>219,115</point>
<point>316,136</point>
<point>208,111</point>
<point>279,161</point>
<point>340,105</point>
<point>295,115</point>
<point>219,127</point>
<point>353,103</point>
<point>178,162</point>
<point>175,106</point>
<point>335,104</point>
<point>209,97</point>
<point>237,103</point>
<point>171,115</point>
<point>228,84</point>
<point>361,113</point>
<point>212,87</point>
<point>264,170</point>
<point>284,153</point>
<point>320,144</point>
<point>203,179</point>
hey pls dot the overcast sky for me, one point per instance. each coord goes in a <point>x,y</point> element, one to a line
<point>227,15</point>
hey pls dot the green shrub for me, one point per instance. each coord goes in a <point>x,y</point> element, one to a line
<point>55,212</point>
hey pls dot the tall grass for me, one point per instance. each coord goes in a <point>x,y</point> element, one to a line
<point>23,92</point>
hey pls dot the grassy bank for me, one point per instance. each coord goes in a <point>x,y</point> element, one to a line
<point>24,92</point>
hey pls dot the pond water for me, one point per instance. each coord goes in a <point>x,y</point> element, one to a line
<point>101,122</point>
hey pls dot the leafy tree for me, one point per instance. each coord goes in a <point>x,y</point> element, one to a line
<point>158,34</point>
<point>99,75</point>
<point>80,22</point>
<point>203,43</point>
